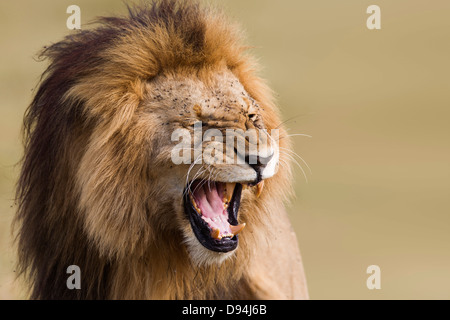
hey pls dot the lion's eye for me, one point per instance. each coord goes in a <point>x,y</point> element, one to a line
<point>253,117</point>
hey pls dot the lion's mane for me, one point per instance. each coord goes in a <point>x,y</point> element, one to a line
<point>85,174</point>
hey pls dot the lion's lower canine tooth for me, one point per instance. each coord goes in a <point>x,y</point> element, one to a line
<point>215,234</point>
<point>259,188</point>
<point>195,204</point>
<point>237,229</point>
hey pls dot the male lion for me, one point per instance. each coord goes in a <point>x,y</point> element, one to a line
<point>98,187</point>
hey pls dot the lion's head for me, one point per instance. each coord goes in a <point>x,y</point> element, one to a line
<point>99,186</point>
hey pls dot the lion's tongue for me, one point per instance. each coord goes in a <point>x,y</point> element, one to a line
<point>211,199</point>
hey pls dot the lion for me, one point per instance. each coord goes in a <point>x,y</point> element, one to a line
<point>98,188</point>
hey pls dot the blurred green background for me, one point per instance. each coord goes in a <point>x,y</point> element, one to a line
<point>377,103</point>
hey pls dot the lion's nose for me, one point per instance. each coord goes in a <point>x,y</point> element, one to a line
<point>259,163</point>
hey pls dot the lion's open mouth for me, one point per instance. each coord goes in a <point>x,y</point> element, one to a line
<point>212,208</point>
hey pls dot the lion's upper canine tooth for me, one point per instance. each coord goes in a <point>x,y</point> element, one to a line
<point>259,188</point>
<point>229,190</point>
<point>235,230</point>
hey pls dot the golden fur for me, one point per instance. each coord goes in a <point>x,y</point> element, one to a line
<point>98,188</point>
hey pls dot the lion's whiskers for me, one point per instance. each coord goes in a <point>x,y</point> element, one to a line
<point>293,153</point>
<point>296,162</point>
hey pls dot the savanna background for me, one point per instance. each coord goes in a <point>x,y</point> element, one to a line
<point>376,103</point>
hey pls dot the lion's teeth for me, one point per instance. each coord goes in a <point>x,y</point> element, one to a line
<point>229,190</point>
<point>235,230</point>
<point>215,234</point>
<point>259,188</point>
<point>199,211</point>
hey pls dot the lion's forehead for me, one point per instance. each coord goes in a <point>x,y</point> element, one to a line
<point>222,99</point>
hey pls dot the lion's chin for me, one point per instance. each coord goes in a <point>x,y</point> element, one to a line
<point>201,256</point>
